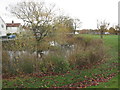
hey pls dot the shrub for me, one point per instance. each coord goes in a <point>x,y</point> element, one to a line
<point>5,63</point>
<point>54,63</point>
<point>24,42</point>
<point>26,63</point>
<point>19,64</point>
<point>86,51</point>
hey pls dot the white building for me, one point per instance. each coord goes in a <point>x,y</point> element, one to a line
<point>12,28</point>
<point>2,27</point>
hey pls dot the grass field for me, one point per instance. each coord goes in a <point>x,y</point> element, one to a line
<point>99,76</point>
<point>112,42</point>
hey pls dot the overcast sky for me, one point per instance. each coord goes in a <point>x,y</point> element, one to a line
<point>88,11</point>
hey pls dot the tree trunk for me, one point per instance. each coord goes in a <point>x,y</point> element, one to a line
<point>101,34</point>
<point>37,58</point>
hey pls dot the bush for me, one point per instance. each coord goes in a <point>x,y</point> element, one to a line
<point>86,51</point>
<point>19,64</point>
<point>5,63</point>
<point>54,63</point>
<point>24,42</point>
<point>26,63</point>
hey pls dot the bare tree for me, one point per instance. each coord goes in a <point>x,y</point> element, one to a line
<point>36,16</point>
<point>76,24</point>
<point>102,26</point>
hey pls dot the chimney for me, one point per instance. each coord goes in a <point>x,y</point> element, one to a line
<point>12,21</point>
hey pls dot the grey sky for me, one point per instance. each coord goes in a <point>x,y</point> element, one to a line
<point>88,11</point>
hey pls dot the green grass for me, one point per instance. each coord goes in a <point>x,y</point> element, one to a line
<point>113,83</point>
<point>75,76</point>
<point>111,41</point>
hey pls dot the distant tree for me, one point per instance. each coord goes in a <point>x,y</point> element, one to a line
<point>64,21</point>
<point>112,30</point>
<point>76,24</point>
<point>63,25</point>
<point>117,28</point>
<point>102,27</point>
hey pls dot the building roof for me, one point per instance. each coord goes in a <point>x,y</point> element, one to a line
<point>13,24</point>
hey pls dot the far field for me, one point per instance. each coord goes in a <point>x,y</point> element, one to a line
<point>99,76</point>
